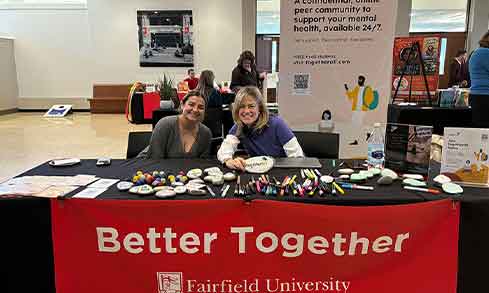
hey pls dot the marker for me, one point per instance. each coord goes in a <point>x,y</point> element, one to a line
<point>225,191</point>
<point>338,188</point>
<point>356,186</point>
<point>210,191</point>
<point>429,190</point>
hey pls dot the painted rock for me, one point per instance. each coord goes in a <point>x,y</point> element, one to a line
<point>217,180</point>
<point>229,176</point>
<point>194,173</point>
<point>375,171</point>
<point>357,177</point>
<point>385,180</point>
<point>197,192</point>
<point>413,182</point>
<point>441,179</point>
<point>198,181</point>
<point>180,189</point>
<point>142,190</point>
<point>366,173</point>
<point>327,179</point>
<point>160,188</point>
<point>195,186</point>
<point>166,193</point>
<point>259,165</point>
<point>452,188</point>
<point>346,171</point>
<point>413,176</point>
<point>175,184</point>
<point>213,171</point>
<point>124,185</point>
<point>390,173</point>
<point>345,177</point>
<point>208,178</point>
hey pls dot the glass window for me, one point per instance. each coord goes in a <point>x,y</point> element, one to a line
<point>42,4</point>
<point>268,17</point>
<point>438,16</point>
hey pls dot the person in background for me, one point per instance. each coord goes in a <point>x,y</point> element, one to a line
<point>183,135</point>
<point>260,133</point>
<point>191,80</point>
<point>207,89</point>
<point>479,87</point>
<point>245,74</point>
<point>459,70</point>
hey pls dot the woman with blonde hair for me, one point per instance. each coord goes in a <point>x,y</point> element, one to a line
<point>258,131</point>
<point>479,86</point>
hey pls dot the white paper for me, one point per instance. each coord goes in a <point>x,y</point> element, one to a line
<point>89,192</point>
<point>104,183</point>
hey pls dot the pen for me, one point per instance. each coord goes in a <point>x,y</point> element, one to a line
<point>338,188</point>
<point>225,191</point>
<point>211,191</point>
<point>356,186</point>
<point>429,190</point>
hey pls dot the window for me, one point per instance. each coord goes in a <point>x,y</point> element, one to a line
<point>267,17</point>
<point>438,16</point>
<point>43,4</point>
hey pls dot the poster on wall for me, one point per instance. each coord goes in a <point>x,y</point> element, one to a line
<point>409,62</point>
<point>165,38</point>
<point>336,56</point>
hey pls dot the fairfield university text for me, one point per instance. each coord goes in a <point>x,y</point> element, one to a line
<point>110,240</point>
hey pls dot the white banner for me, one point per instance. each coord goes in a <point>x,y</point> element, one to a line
<point>336,55</point>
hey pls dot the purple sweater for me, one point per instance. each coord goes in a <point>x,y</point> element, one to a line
<point>267,142</point>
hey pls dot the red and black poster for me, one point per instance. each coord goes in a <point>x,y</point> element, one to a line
<point>229,246</point>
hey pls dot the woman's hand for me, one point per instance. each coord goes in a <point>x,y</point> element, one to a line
<point>236,164</point>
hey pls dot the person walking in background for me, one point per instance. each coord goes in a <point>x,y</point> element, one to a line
<point>245,74</point>
<point>191,80</point>
<point>479,87</point>
<point>459,70</point>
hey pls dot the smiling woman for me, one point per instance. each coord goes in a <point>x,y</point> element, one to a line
<point>181,136</point>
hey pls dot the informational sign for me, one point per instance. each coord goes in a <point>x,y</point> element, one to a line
<point>335,55</point>
<point>409,61</point>
<point>408,148</point>
<point>58,111</point>
<point>229,246</point>
<point>465,155</point>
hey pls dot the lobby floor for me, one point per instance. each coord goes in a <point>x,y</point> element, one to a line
<point>28,139</point>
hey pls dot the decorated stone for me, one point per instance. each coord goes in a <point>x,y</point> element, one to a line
<point>175,184</point>
<point>180,189</point>
<point>413,176</point>
<point>452,188</point>
<point>142,190</point>
<point>413,182</point>
<point>327,179</point>
<point>357,177</point>
<point>259,165</point>
<point>196,192</point>
<point>385,180</point>
<point>375,171</point>
<point>346,171</point>
<point>390,173</point>
<point>159,188</point>
<point>195,186</point>
<point>166,193</point>
<point>366,173</point>
<point>194,173</point>
<point>209,178</point>
<point>344,176</point>
<point>198,181</point>
<point>229,176</point>
<point>124,185</point>
<point>441,179</point>
<point>217,180</point>
<point>213,171</point>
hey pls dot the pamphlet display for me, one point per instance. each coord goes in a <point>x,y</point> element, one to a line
<point>58,111</point>
<point>464,157</point>
<point>408,147</point>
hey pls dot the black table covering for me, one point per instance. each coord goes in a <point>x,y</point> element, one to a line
<point>26,245</point>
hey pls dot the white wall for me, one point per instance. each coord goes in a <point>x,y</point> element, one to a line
<point>52,52</point>
<point>8,75</point>
<point>478,22</point>
<point>217,38</point>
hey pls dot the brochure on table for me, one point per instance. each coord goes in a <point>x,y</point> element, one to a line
<point>464,157</point>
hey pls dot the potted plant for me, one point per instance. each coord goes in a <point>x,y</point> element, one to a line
<point>168,93</point>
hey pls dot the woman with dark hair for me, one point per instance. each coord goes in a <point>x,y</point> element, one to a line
<point>479,87</point>
<point>207,90</point>
<point>260,133</point>
<point>245,74</point>
<point>183,135</point>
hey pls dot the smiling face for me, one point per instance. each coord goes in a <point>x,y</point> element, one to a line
<point>248,110</point>
<point>193,109</point>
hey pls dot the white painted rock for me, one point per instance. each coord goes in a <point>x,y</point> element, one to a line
<point>452,188</point>
<point>208,178</point>
<point>180,189</point>
<point>346,171</point>
<point>413,176</point>
<point>259,165</point>
<point>344,176</point>
<point>166,193</point>
<point>229,176</point>
<point>196,181</point>
<point>327,179</point>
<point>213,171</point>
<point>441,179</point>
<point>375,171</point>
<point>217,180</point>
<point>390,173</point>
<point>124,185</point>
<point>160,188</point>
<point>413,182</point>
<point>194,173</point>
<point>142,189</point>
<point>357,177</point>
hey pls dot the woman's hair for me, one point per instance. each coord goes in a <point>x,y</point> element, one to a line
<point>263,116</point>
<point>484,41</point>
<point>206,84</point>
<point>246,55</point>
<point>192,94</point>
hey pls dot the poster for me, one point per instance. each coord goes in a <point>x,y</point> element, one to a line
<point>336,55</point>
<point>465,155</point>
<point>413,79</point>
<point>266,246</point>
<point>165,38</point>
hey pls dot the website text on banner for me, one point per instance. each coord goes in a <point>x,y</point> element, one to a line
<point>266,246</point>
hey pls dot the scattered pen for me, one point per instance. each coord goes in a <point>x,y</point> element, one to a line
<point>356,186</point>
<point>210,190</point>
<point>225,191</point>
<point>337,187</point>
<point>429,190</point>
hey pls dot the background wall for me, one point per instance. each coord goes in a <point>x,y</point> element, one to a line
<point>8,75</point>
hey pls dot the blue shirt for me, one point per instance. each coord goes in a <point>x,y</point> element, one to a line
<point>268,141</point>
<point>479,72</point>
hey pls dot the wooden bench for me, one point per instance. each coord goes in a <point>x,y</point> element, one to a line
<point>109,98</point>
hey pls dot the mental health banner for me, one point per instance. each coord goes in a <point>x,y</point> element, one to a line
<point>336,56</point>
<point>229,246</point>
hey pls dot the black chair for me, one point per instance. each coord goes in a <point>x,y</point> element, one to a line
<point>136,142</point>
<point>319,144</point>
<point>213,120</point>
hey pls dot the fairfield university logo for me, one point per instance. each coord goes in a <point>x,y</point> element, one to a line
<point>169,282</point>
